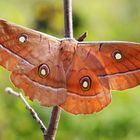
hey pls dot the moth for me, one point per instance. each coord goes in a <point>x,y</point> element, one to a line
<point>77,76</point>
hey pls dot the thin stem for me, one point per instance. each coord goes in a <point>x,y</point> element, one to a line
<point>56,112</point>
<point>28,107</point>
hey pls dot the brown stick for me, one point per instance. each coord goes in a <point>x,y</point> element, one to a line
<point>68,32</point>
<point>53,124</point>
<point>68,26</point>
<point>82,37</point>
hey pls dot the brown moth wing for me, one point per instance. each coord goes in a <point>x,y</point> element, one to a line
<point>120,62</point>
<point>83,99</point>
<point>23,51</point>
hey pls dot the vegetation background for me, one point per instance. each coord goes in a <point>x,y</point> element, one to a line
<point>104,20</point>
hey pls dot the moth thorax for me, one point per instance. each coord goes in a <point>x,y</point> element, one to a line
<point>67,51</point>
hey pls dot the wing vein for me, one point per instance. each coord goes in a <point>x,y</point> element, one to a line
<point>10,51</point>
<point>119,73</point>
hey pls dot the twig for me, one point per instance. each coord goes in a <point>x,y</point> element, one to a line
<point>68,32</point>
<point>82,37</point>
<point>28,107</point>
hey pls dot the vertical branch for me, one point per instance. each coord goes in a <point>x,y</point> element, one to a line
<point>53,124</point>
<point>68,32</point>
<point>68,27</point>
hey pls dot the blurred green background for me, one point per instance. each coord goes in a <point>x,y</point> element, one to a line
<point>104,20</point>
